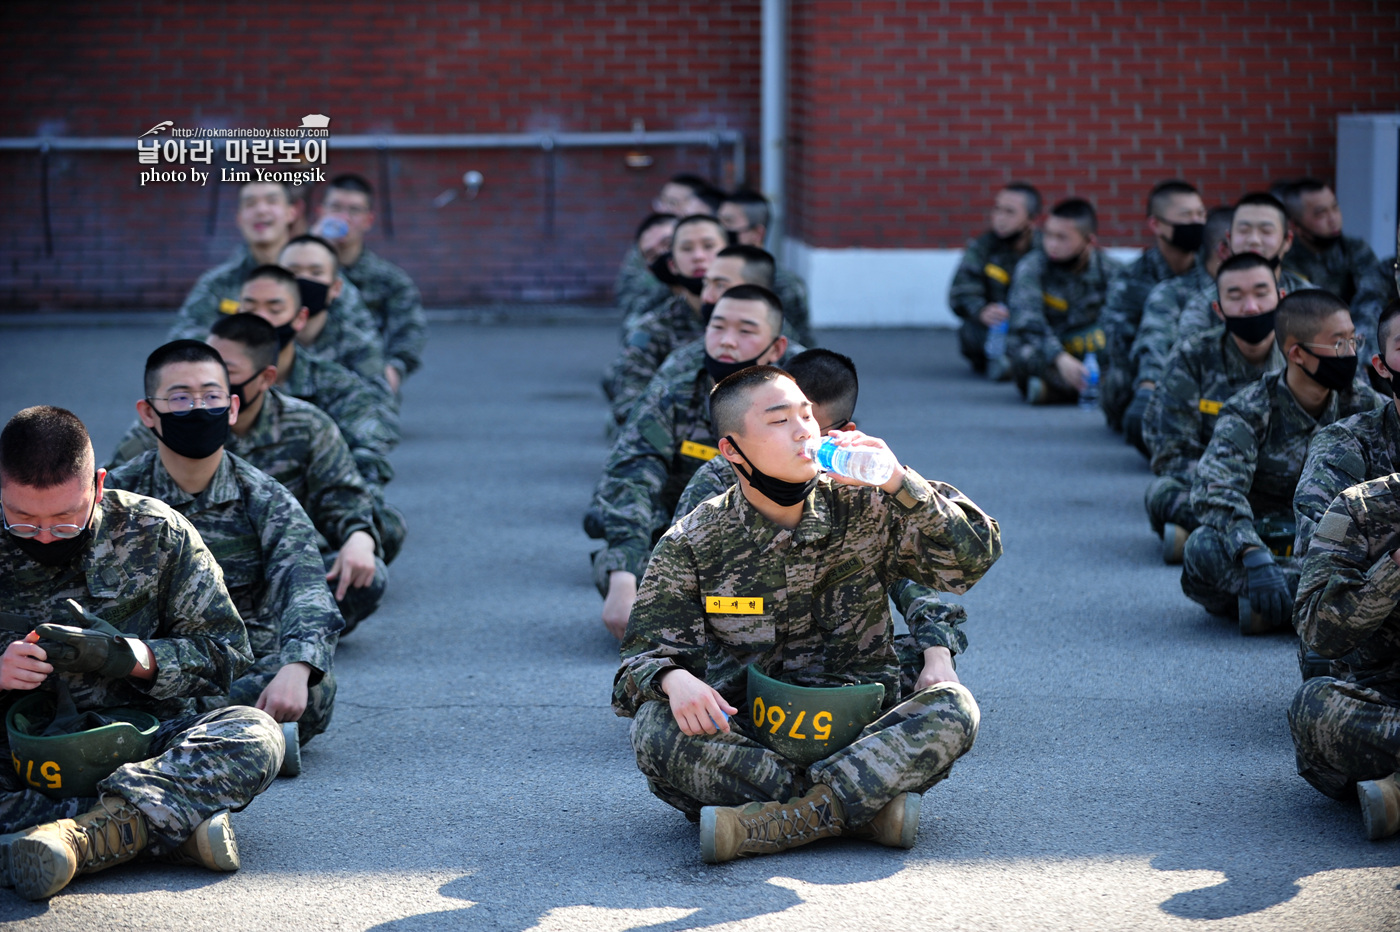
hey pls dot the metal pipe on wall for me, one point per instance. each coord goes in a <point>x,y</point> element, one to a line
<point>772,148</point>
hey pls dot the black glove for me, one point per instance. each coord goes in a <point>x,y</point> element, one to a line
<point>74,650</point>
<point>1132,420</point>
<point>87,619</point>
<point>1267,589</point>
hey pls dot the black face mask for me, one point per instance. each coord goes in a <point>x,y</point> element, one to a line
<point>1009,240</point>
<point>781,491</point>
<point>1333,372</point>
<point>1252,330</point>
<point>719,371</point>
<point>1392,380</point>
<point>313,295</point>
<point>61,550</point>
<point>706,310</point>
<point>195,434</point>
<point>237,392</point>
<point>661,269</point>
<point>1187,237</point>
<point>1325,243</point>
<point>1066,265</point>
<point>285,335</point>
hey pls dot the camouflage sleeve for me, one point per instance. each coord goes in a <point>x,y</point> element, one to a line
<point>201,645</point>
<point>1171,427</point>
<point>1030,337</point>
<point>297,595</point>
<point>666,628</point>
<point>1373,287</point>
<point>405,327</point>
<point>967,295</point>
<point>629,273</point>
<point>1196,316</point>
<point>200,310</point>
<point>792,291</point>
<point>629,494</point>
<point>361,353</point>
<point>1224,476</point>
<point>940,538</point>
<point>369,427</point>
<point>137,440</point>
<point>1334,464</point>
<point>714,478</point>
<point>1121,305</point>
<point>644,349</point>
<point>1346,592</point>
<point>1156,332</point>
<point>339,501</point>
<point>932,622</point>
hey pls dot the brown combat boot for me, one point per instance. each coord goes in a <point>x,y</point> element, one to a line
<point>1380,806</point>
<point>896,825</point>
<point>1174,544</point>
<point>49,856</point>
<point>728,832</point>
<point>211,845</point>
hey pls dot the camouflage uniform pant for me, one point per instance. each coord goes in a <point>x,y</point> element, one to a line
<point>1343,733</point>
<point>1057,390</point>
<point>1212,576</point>
<point>204,763</point>
<point>907,749</point>
<point>972,340</point>
<point>390,523</point>
<point>1116,389</point>
<point>359,604</point>
<point>320,699</point>
<point>1168,501</point>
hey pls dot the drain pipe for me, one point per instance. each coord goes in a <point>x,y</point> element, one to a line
<point>772,148</point>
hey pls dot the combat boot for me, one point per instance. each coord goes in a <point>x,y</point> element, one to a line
<point>211,845</point>
<point>49,856</point>
<point>766,828</point>
<point>6,841</point>
<point>1036,392</point>
<point>896,825</point>
<point>291,758</point>
<point>1380,806</point>
<point>1174,544</point>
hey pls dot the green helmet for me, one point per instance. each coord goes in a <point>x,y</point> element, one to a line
<point>806,724</point>
<point>67,765</point>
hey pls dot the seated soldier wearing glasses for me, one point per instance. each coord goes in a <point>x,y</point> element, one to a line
<point>263,540</point>
<point>1240,561</point>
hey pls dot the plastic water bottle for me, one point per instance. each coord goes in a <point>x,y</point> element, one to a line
<point>332,228</point>
<point>1089,398</point>
<point>864,463</point>
<point>995,347</point>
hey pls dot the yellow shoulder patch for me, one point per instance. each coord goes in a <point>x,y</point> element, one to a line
<point>1210,407</point>
<point>731,605</point>
<point>1054,303</point>
<point>1333,527</point>
<point>228,306</point>
<point>698,450</point>
<point>996,273</point>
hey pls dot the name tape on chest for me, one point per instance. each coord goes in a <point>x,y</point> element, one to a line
<point>228,306</point>
<point>1054,303</point>
<point>731,605</point>
<point>698,450</point>
<point>1210,407</point>
<point>996,273</point>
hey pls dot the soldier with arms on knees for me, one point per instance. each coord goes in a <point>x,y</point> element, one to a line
<point>262,538</point>
<point>786,575</point>
<point>119,622</point>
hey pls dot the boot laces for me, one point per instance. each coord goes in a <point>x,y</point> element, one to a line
<point>107,841</point>
<point>795,821</point>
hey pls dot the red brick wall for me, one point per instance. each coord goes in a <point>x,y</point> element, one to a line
<point>907,116</point>
<point>103,69</point>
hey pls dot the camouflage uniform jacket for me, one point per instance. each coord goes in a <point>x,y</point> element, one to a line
<point>149,575</point>
<point>354,344</point>
<point>792,292</point>
<point>637,289</point>
<point>1251,467</point>
<point>393,301</point>
<point>1203,373</point>
<point>932,622</point>
<point>1048,303</point>
<point>267,549</point>
<point>984,274</point>
<point>824,619</point>
<point>662,330</point>
<point>1350,270</point>
<point>1161,313</point>
<point>664,440</point>
<point>1349,595</point>
<point>1198,314</point>
<point>1127,296</point>
<point>1363,447</point>
<point>367,422</point>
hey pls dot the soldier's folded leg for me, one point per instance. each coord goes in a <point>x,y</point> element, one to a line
<point>907,749</point>
<point>972,341</point>
<point>1168,501</point>
<point>360,603</point>
<point>320,697</point>
<point>690,772</point>
<point>206,763</point>
<point>1116,390</point>
<point>391,524</point>
<point>1210,575</point>
<point>1343,734</point>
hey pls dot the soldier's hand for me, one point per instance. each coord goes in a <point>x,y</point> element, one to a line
<point>938,668</point>
<point>76,650</point>
<point>1072,371</point>
<point>354,564</point>
<point>1267,588</point>
<point>697,706</point>
<point>23,665</point>
<point>392,376</point>
<point>850,439</point>
<point>617,607</point>
<point>993,314</point>
<point>285,697</point>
